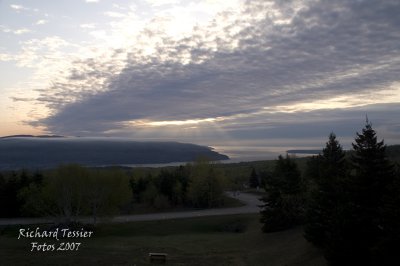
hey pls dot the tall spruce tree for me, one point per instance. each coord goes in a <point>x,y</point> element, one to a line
<point>284,203</point>
<point>327,172</point>
<point>354,215</point>
<point>372,177</point>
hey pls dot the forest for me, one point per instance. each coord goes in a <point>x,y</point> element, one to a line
<point>347,202</point>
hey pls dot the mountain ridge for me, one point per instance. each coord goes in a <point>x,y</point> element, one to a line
<point>28,152</point>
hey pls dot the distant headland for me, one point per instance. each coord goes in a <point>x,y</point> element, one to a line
<point>47,151</point>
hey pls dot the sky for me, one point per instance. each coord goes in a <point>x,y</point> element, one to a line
<point>241,75</point>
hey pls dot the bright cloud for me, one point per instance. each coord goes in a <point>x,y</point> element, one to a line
<point>18,7</point>
<point>41,22</point>
<point>114,14</point>
<point>5,57</point>
<point>21,31</point>
<point>88,26</point>
<point>157,3</point>
<point>174,123</point>
<point>15,31</point>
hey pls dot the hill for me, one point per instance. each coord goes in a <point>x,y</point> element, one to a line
<point>33,152</point>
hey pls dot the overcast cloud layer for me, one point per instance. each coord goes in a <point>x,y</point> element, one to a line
<point>265,70</point>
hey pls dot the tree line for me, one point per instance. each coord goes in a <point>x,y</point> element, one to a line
<point>347,202</point>
<point>198,185</point>
<point>71,191</point>
<point>65,193</point>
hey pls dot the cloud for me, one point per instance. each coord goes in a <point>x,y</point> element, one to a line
<point>34,52</point>
<point>114,14</point>
<point>18,7</point>
<point>264,64</point>
<point>92,1</point>
<point>157,3</point>
<point>45,58</point>
<point>21,31</point>
<point>15,31</point>
<point>41,22</point>
<point>88,26</point>
<point>5,57</point>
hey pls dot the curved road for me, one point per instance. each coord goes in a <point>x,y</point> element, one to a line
<point>252,206</point>
<point>252,202</point>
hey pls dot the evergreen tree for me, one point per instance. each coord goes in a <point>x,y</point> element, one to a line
<point>253,180</point>
<point>352,232</point>
<point>139,185</point>
<point>312,171</point>
<point>284,204</point>
<point>165,183</point>
<point>182,174</point>
<point>10,186</point>
<point>371,179</point>
<point>327,172</point>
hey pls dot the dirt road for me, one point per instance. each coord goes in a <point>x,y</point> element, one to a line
<point>252,202</point>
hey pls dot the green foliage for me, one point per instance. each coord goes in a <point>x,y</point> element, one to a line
<point>11,184</point>
<point>171,184</point>
<point>149,194</point>
<point>368,186</point>
<point>205,189</point>
<point>70,191</point>
<point>197,185</point>
<point>138,185</point>
<point>253,180</point>
<point>65,188</point>
<point>181,187</point>
<point>166,183</point>
<point>105,191</point>
<point>161,202</point>
<point>353,210</point>
<point>326,173</point>
<point>373,171</point>
<point>284,203</point>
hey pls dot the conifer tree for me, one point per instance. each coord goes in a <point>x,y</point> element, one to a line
<point>284,204</point>
<point>253,180</point>
<point>354,215</point>
<point>369,184</point>
<point>354,230</point>
<point>328,171</point>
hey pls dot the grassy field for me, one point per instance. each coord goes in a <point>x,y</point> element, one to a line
<point>221,240</point>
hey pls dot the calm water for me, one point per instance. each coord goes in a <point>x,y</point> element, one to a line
<point>239,154</point>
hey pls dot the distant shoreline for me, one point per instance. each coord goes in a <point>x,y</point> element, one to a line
<point>45,153</point>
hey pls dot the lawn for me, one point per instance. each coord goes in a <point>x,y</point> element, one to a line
<point>220,240</point>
